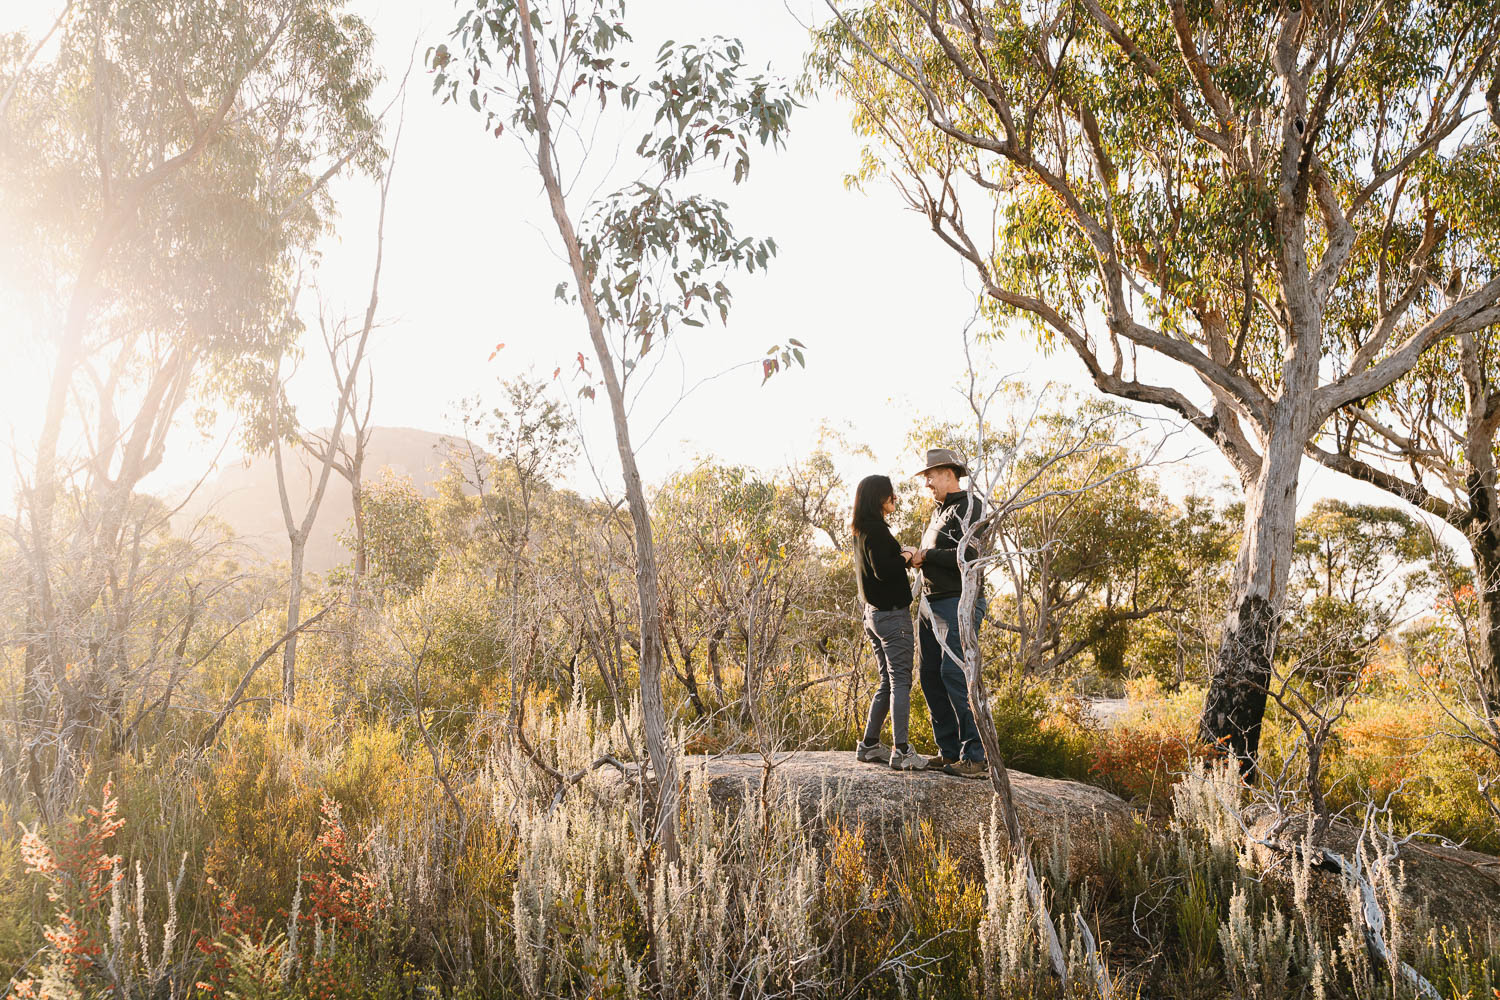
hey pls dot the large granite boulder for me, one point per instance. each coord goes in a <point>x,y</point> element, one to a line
<point>887,803</point>
<point>1457,887</point>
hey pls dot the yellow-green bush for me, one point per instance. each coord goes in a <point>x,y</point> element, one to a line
<point>260,810</point>
<point>1392,744</point>
<point>21,898</point>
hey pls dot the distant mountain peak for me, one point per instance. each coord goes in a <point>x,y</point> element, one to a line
<point>243,494</point>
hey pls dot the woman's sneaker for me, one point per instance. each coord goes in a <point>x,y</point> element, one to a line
<point>910,760</point>
<point>876,753</point>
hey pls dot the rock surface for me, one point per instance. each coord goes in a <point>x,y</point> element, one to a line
<point>889,803</point>
<point>1457,887</point>
<point>1108,711</point>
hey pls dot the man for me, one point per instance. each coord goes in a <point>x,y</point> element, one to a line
<point>941,671</point>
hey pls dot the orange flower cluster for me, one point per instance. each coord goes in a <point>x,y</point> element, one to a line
<point>342,900</point>
<point>343,893</point>
<point>235,920</point>
<point>80,873</point>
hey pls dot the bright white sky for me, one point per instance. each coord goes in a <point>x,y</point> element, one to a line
<point>471,262</point>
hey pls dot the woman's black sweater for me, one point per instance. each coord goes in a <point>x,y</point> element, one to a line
<point>881,570</point>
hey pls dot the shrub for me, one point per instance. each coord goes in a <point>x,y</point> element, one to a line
<point>20,935</point>
<point>1144,754</point>
<point>855,910</point>
<point>940,908</point>
<point>80,875</point>
<point>522,891</point>
<point>1141,764</point>
<point>261,810</point>
<point>1040,732</point>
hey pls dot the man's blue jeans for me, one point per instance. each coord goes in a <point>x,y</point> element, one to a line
<point>943,683</point>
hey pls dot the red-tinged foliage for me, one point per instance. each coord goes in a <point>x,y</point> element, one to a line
<point>234,920</point>
<point>79,870</point>
<point>343,893</point>
<point>1462,596</point>
<point>79,873</point>
<point>342,901</point>
<point>1143,764</point>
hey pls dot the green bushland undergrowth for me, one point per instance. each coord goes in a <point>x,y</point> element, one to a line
<point>1395,744</point>
<point>292,863</point>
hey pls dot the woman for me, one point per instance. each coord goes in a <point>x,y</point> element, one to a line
<point>885,592</point>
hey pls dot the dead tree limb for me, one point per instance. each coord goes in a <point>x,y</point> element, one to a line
<point>212,732</point>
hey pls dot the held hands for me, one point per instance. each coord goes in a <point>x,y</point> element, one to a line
<point>914,557</point>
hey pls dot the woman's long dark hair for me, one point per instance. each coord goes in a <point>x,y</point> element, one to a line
<point>869,503</point>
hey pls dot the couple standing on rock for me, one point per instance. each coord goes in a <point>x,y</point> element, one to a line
<point>886,594</point>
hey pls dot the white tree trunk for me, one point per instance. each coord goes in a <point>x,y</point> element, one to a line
<point>293,619</point>
<point>653,705</point>
<point>1236,699</point>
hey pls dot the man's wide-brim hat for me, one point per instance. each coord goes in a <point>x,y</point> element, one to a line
<point>938,458</point>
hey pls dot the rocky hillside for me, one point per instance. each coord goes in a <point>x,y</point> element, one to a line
<point>243,494</point>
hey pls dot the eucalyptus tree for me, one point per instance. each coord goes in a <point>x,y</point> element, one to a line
<point>349,452</point>
<point>161,161</point>
<point>1236,198</point>
<point>401,549</point>
<point>648,257</point>
<point>1358,569</point>
<point>1201,545</point>
<point>274,424</point>
<point>1431,439</point>
<point>739,564</point>
<point>822,493</point>
<point>531,443</point>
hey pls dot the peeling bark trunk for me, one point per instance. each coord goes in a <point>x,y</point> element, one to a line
<point>1484,542</point>
<point>357,597</point>
<point>357,495</point>
<point>298,534</point>
<point>1236,699</point>
<point>750,686</point>
<point>1483,524</point>
<point>714,671</point>
<point>1315,743</point>
<point>42,645</point>
<point>34,660</point>
<point>688,676</point>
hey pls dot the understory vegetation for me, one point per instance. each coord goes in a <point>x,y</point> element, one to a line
<point>451,804</point>
<point>457,759</point>
<point>325,863</point>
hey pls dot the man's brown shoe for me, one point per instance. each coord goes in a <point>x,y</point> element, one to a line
<point>938,763</point>
<point>967,769</point>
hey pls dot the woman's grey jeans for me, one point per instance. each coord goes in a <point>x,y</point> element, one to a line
<point>890,633</point>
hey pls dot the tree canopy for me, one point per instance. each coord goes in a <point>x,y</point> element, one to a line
<point>1281,199</point>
